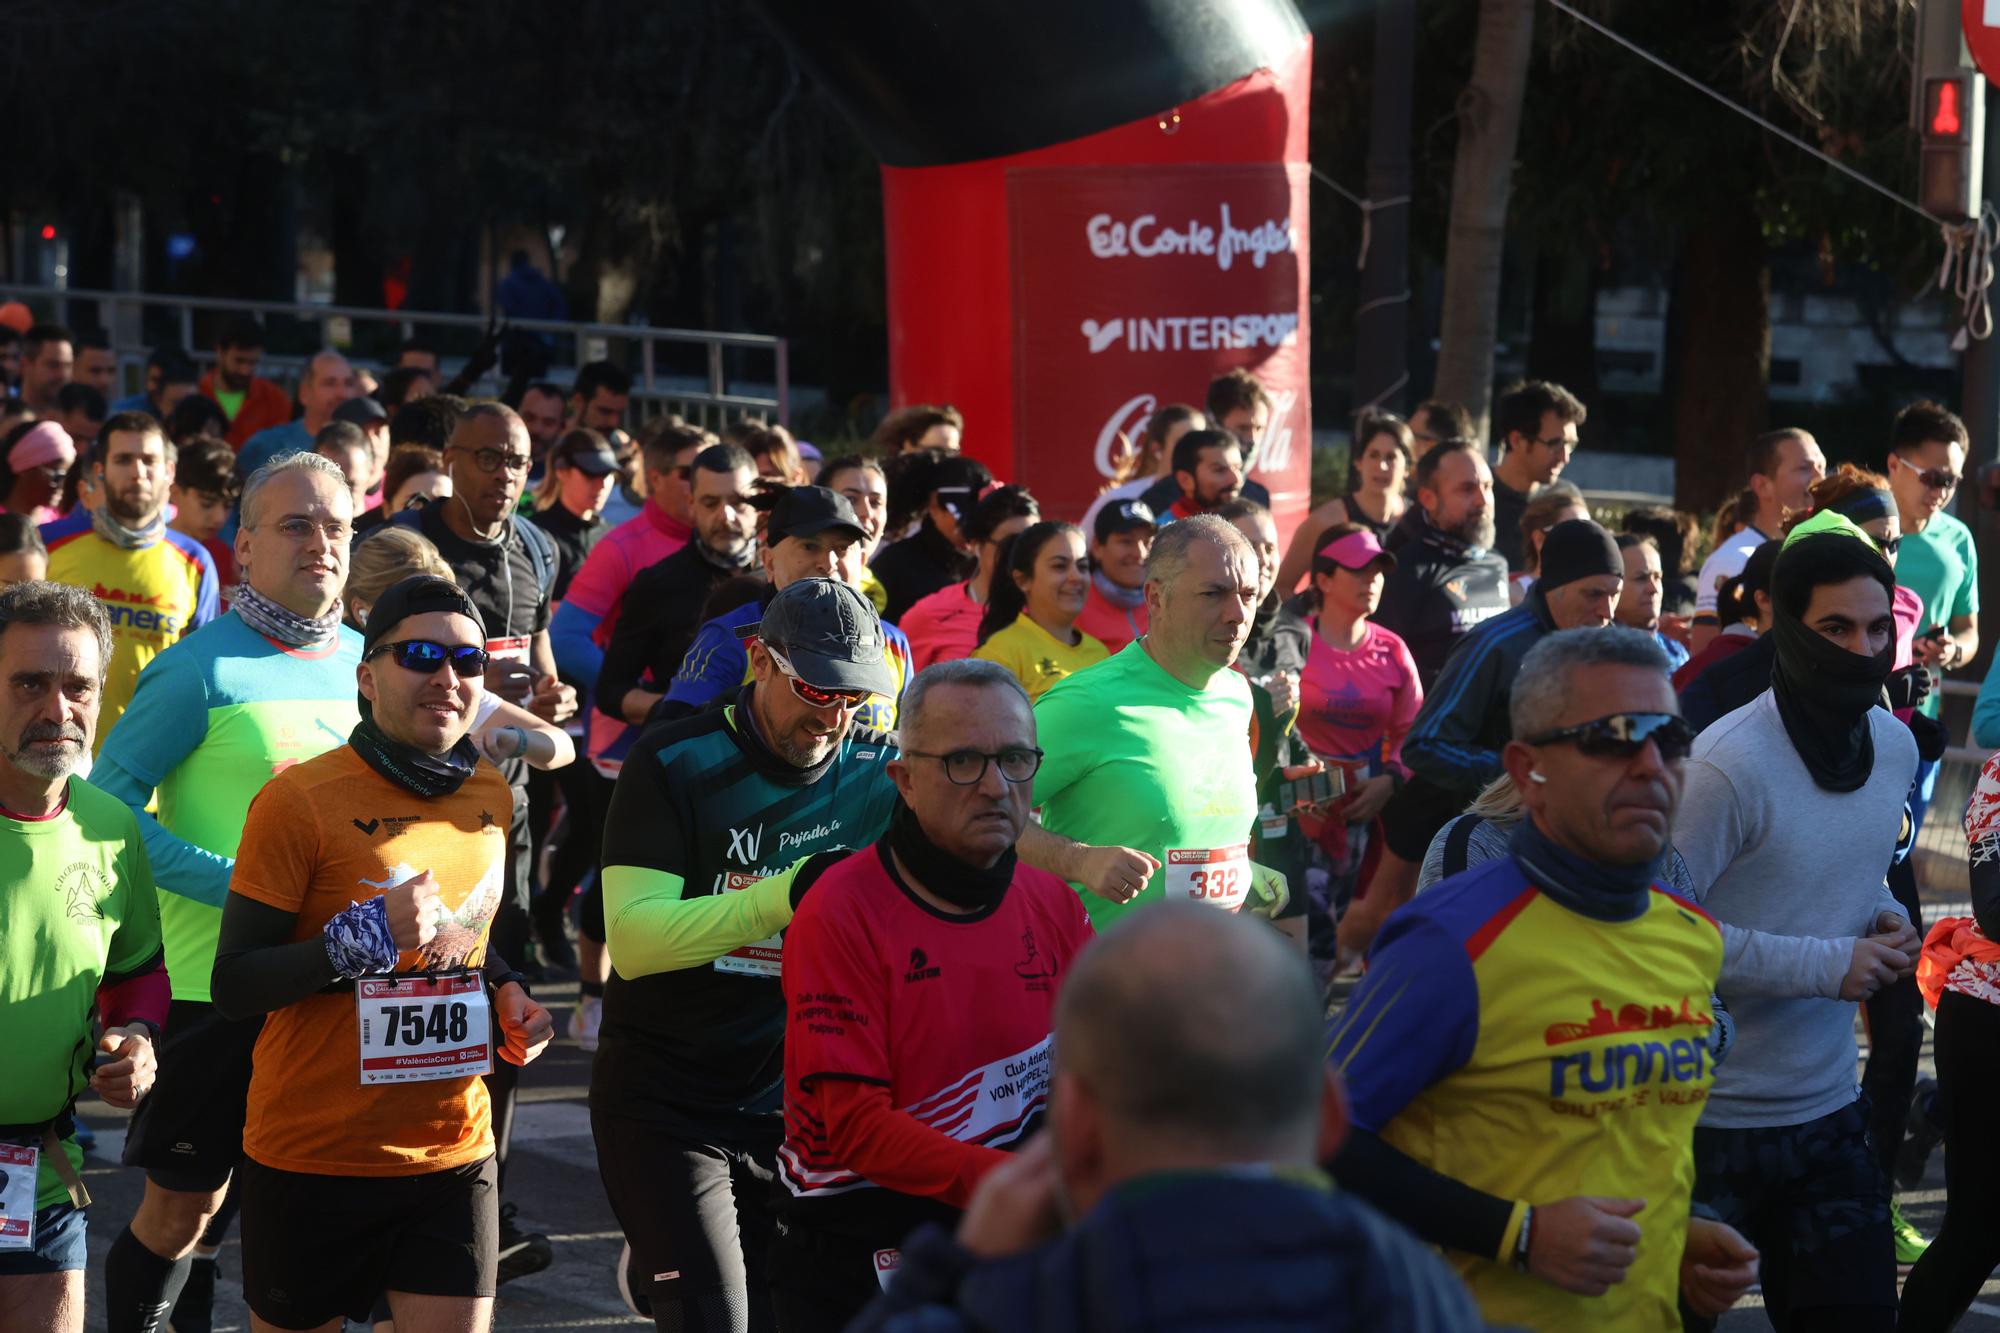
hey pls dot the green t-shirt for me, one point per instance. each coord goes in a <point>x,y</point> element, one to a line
<point>231,401</point>
<point>212,720</point>
<point>1940,565</point>
<point>1137,759</point>
<point>76,906</point>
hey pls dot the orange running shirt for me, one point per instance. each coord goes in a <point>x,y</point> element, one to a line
<point>323,834</point>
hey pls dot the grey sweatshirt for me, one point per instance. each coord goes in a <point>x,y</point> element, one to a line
<point>1795,874</point>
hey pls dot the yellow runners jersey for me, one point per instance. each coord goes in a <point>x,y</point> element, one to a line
<point>156,596</point>
<point>1583,1072</point>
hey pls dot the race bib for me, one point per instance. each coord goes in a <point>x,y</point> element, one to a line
<point>514,649</point>
<point>765,958</point>
<point>886,1264</point>
<point>1218,876</point>
<point>18,1166</point>
<point>416,1029</point>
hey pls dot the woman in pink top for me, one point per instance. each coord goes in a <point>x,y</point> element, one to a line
<point>945,625</point>
<point>1359,691</point>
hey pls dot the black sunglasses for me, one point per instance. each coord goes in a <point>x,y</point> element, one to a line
<point>427,656</point>
<point>1622,735</point>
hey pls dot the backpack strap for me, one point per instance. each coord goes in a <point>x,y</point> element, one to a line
<point>1458,844</point>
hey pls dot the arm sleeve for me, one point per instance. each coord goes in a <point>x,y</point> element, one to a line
<point>1436,1207</point>
<point>165,723</point>
<point>1406,700</point>
<point>713,665</point>
<point>139,997</point>
<point>631,641</point>
<point>570,634</point>
<point>136,942</point>
<point>1709,830</point>
<point>259,967</point>
<point>1443,743</point>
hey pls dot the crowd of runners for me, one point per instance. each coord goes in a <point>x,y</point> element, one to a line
<point>1454,916</point>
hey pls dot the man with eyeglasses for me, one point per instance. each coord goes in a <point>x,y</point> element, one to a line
<point>1937,559</point>
<point>358,924</point>
<point>506,567</point>
<point>921,976</point>
<point>1534,435</point>
<point>709,816</point>
<point>1531,1047</point>
<point>1793,813</point>
<point>267,685</point>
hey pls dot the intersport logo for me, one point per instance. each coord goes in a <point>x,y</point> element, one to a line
<point>1191,333</point>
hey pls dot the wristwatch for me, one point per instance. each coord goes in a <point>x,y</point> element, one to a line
<point>494,984</point>
<point>1521,1238</point>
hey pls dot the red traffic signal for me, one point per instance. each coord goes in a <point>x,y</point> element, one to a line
<point>1944,110</point>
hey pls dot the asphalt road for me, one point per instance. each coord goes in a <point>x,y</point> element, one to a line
<point>552,1178</point>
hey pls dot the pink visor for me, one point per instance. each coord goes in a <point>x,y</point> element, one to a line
<point>1356,550</point>
<point>46,443</point>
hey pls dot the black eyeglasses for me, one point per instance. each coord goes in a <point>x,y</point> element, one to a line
<point>1622,735</point>
<point>1888,545</point>
<point>427,655</point>
<point>966,768</point>
<point>492,460</point>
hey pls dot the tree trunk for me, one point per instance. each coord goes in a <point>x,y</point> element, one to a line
<point>1382,332</point>
<point>1489,124</point>
<point>1718,351</point>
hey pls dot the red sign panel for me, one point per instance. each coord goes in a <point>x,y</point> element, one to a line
<point>1981,20</point>
<point>1136,285</point>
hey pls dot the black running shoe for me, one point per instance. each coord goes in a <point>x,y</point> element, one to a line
<point>1921,1137</point>
<point>521,1252</point>
<point>194,1312</point>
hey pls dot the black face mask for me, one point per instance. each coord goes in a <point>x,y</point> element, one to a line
<point>941,873</point>
<point>408,767</point>
<point>1824,695</point>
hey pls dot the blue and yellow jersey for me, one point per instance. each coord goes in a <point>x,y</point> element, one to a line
<point>1585,1076</point>
<point>155,596</point>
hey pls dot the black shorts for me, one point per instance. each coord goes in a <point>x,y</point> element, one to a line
<point>1415,814</point>
<point>698,1216</point>
<point>1813,1200</point>
<point>320,1247</point>
<point>827,1278</point>
<point>188,1133</point>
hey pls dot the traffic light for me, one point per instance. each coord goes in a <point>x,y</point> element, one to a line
<point>1950,114</point>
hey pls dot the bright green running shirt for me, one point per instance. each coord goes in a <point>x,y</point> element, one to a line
<point>76,906</point>
<point>212,719</point>
<point>1137,759</point>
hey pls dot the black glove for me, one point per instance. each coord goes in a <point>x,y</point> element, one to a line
<point>1929,733</point>
<point>1907,688</point>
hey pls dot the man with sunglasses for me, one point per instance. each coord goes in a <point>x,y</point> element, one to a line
<point>507,568</point>
<point>1793,813</point>
<point>709,816</point>
<point>921,976</point>
<point>1937,559</point>
<point>267,685</point>
<point>1533,1042</point>
<point>357,922</point>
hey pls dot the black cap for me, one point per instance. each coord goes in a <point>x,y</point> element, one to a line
<point>414,596</point>
<point>1578,549</point>
<point>363,411</point>
<point>1123,516</point>
<point>586,452</point>
<point>830,634</point>
<point>807,511</point>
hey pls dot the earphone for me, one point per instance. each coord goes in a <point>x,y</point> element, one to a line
<point>1536,776</point>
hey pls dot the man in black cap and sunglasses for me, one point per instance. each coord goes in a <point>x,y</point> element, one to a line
<point>921,976</point>
<point>710,817</point>
<point>1534,1040</point>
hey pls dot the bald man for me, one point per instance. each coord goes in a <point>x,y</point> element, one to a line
<point>1188,1085</point>
<point>328,382</point>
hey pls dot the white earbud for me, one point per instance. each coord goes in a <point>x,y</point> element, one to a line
<point>1536,776</point>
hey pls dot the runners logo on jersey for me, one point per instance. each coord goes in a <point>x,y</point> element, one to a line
<point>1629,1018</point>
<point>746,845</point>
<point>921,968</point>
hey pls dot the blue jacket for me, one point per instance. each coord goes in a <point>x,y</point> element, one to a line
<point>1458,734</point>
<point>1202,1251</point>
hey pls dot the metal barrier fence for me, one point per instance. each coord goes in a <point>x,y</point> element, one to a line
<point>719,392</point>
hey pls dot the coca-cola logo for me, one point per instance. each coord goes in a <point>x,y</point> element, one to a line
<point>1272,454</point>
<point>1145,237</point>
<point>1130,421</point>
